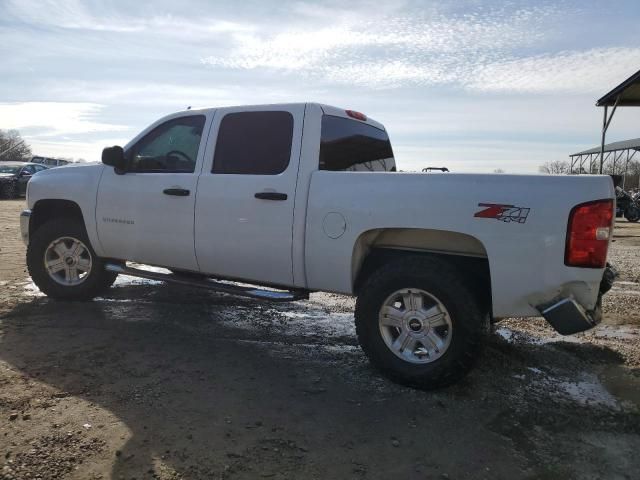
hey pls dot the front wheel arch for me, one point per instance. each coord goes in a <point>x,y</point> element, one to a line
<point>50,209</point>
<point>44,268</point>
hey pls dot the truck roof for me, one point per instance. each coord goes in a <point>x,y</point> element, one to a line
<point>326,109</point>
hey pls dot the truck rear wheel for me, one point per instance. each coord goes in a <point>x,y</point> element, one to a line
<point>62,263</point>
<point>418,323</point>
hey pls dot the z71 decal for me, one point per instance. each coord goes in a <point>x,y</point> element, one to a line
<point>504,213</point>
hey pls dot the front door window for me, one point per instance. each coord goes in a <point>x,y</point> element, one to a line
<point>169,148</point>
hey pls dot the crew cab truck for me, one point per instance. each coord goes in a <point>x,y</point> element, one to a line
<point>296,198</point>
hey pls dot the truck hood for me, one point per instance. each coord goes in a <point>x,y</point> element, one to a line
<point>74,183</point>
<point>84,168</point>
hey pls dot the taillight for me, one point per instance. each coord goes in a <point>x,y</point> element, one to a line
<point>588,234</point>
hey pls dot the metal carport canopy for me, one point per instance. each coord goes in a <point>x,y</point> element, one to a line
<point>627,94</point>
<point>633,144</point>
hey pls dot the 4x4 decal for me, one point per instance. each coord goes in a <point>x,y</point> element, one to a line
<point>504,213</point>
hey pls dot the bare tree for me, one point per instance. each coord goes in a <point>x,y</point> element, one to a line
<point>13,148</point>
<point>556,167</point>
<point>634,167</point>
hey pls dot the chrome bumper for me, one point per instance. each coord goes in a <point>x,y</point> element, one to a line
<point>25,216</point>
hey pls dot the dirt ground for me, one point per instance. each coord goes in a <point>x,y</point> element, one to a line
<point>158,381</point>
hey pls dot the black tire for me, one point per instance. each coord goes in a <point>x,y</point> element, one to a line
<point>632,214</point>
<point>9,190</point>
<point>95,281</point>
<point>469,325</point>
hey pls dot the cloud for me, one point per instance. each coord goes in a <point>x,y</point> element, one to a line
<point>87,150</point>
<point>387,50</point>
<point>54,118</point>
<point>77,15</point>
<point>482,51</point>
<point>577,71</point>
<point>71,14</point>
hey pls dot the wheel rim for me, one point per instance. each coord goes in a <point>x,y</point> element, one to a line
<point>415,325</point>
<point>68,261</point>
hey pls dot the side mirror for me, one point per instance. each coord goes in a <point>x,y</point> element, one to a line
<point>25,174</point>
<point>114,157</point>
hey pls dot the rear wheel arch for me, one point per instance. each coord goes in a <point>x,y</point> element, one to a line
<point>377,248</point>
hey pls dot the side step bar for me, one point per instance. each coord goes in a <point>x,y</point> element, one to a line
<point>251,292</point>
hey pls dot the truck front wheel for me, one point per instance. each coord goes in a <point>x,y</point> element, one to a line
<point>418,323</point>
<point>62,263</point>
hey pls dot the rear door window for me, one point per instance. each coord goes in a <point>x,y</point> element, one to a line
<point>351,145</point>
<point>254,143</point>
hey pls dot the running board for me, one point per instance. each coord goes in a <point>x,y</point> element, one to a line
<point>251,292</point>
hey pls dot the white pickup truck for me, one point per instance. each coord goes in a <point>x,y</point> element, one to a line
<point>297,198</point>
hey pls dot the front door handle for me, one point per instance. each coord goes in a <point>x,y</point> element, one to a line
<point>271,196</point>
<point>178,192</point>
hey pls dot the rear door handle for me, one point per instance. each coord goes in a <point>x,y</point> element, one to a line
<point>178,192</point>
<point>271,196</point>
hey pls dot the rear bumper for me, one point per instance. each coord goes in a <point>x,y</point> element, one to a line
<point>568,317</point>
<point>25,217</point>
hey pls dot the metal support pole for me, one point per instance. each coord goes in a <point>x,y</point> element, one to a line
<point>605,126</point>
<point>626,166</point>
<point>604,133</point>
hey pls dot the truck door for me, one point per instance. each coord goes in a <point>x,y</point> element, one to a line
<point>146,214</point>
<point>246,193</point>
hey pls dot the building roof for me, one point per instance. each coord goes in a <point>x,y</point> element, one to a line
<point>633,144</point>
<point>628,93</point>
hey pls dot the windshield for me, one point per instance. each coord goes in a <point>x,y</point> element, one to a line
<point>10,168</point>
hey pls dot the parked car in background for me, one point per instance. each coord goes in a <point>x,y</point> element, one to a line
<point>50,162</point>
<point>14,177</point>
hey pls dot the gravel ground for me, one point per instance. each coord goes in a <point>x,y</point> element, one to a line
<point>159,381</point>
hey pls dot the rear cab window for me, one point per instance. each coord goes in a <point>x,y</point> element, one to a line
<point>355,146</point>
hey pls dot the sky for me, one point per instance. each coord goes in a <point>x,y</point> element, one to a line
<point>472,85</point>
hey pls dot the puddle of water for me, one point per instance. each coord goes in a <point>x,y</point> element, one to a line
<point>589,391</point>
<point>302,320</point>
<point>622,384</point>
<point>31,290</point>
